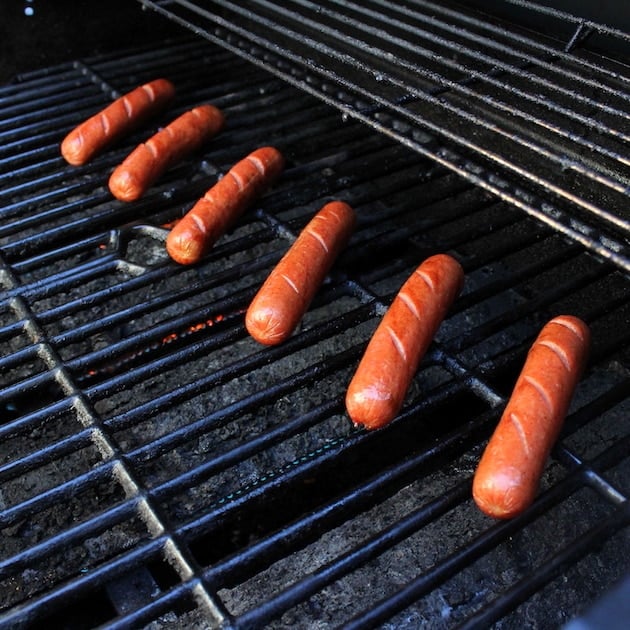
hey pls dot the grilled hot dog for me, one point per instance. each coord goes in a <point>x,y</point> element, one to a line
<point>377,390</point>
<point>508,475</point>
<point>288,291</point>
<point>146,163</point>
<point>213,214</point>
<point>116,120</point>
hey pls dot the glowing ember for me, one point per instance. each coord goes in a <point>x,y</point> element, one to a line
<point>156,346</point>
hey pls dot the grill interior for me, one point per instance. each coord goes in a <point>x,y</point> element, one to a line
<point>540,121</point>
<point>160,468</point>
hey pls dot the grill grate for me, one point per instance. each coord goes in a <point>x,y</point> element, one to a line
<point>157,465</point>
<point>540,122</point>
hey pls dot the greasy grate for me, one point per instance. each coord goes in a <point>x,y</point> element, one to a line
<point>538,120</point>
<point>159,467</point>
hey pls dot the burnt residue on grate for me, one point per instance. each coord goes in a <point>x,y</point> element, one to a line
<point>159,467</point>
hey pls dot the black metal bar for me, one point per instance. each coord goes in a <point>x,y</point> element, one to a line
<point>241,366</point>
<point>619,519</point>
<point>99,523</point>
<point>26,463</point>
<point>68,277</point>
<point>294,39</point>
<point>36,607</point>
<point>493,536</point>
<point>403,528</point>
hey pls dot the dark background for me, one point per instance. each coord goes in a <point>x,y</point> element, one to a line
<point>60,30</point>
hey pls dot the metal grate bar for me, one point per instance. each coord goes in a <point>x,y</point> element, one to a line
<point>293,472</point>
<point>265,551</point>
<point>619,519</point>
<point>372,70</point>
<point>191,389</point>
<point>563,15</point>
<point>123,474</point>
<point>408,46</point>
<point>103,521</point>
<point>42,456</point>
<point>317,581</point>
<point>32,609</point>
<point>492,36</point>
<point>387,608</point>
<point>235,459</point>
<point>403,528</point>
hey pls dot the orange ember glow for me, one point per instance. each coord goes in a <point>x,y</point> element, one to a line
<point>170,338</point>
<point>193,329</point>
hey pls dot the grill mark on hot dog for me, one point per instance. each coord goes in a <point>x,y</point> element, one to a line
<point>289,289</point>
<point>198,222</point>
<point>128,106</point>
<point>148,88</point>
<point>104,124</point>
<point>521,432</point>
<point>146,163</point>
<point>151,148</point>
<point>77,144</point>
<point>427,279</point>
<point>290,282</point>
<point>508,475</point>
<point>222,204</point>
<point>239,181</point>
<point>116,120</point>
<point>558,351</point>
<point>398,344</point>
<point>406,298</point>
<point>544,394</point>
<point>319,238</point>
<point>257,162</point>
<point>379,386</point>
<point>561,321</point>
<point>334,214</point>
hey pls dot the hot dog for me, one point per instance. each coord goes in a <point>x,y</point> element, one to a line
<point>378,388</point>
<point>116,120</point>
<point>508,474</point>
<point>213,214</point>
<point>288,291</point>
<point>146,163</point>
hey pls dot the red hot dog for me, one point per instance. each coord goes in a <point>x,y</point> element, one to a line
<point>213,214</point>
<point>148,161</point>
<point>288,291</point>
<point>116,120</point>
<point>509,472</point>
<point>378,388</point>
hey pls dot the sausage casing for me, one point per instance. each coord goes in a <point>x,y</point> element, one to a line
<point>148,161</point>
<point>217,210</point>
<point>287,293</point>
<point>509,472</point>
<point>116,121</point>
<point>378,388</point>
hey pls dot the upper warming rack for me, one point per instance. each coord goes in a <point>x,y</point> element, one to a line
<point>540,121</point>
